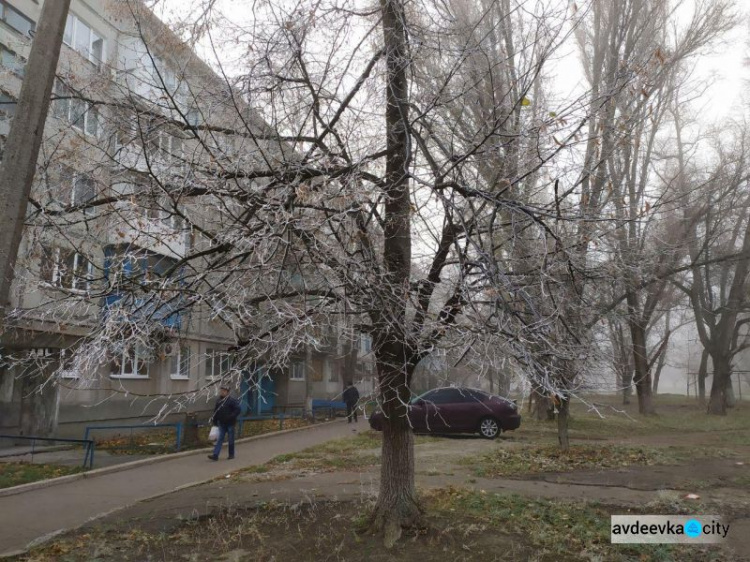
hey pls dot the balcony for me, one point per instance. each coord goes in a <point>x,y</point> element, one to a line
<point>131,309</point>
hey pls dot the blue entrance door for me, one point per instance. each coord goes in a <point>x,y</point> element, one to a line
<point>267,394</point>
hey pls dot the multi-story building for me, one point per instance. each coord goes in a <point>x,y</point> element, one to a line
<point>110,212</point>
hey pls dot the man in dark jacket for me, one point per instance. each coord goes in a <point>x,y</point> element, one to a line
<point>226,412</point>
<point>351,397</point>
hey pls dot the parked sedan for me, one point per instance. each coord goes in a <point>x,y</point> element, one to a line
<point>458,410</point>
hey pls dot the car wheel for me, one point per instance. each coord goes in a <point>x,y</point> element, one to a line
<point>489,428</point>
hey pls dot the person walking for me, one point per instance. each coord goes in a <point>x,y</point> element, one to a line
<point>351,397</point>
<point>226,412</point>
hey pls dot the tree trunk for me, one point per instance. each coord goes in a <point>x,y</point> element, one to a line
<point>563,417</point>
<point>717,404</point>
<point>657,374</point>
<point>397,506</point>
<point>702,373</point>
<point>642,374</point>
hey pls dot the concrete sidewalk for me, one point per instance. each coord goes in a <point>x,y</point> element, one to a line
<point>30,516</point>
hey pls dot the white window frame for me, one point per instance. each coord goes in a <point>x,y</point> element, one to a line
<point>331,374</point>
<point>297,370</point>
<point>69,38</point>
<point>67,373</point>
<point>182,361</point>
<point>365,344</point>
<point>215,358</point>
<point>136,358</point>
<point>79,177</point>
<point>82,124</point>
<point>17,65</point>
<point>78,284</point>
<point>168,76</point>
<point>5,5</point>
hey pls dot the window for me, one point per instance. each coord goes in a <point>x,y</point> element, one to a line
<point>82,38</point>
<point>365,344</point>
<point>11,61</point>
<point>75,188</point>
<point>67,366</point>
<point>133,363</point>
<point>83,189</point>
<point>81,114</point>
<point>218,363</point>
<point>7,112</point>
<point>193,117</point>
<point>163,145</point>
<point>450,396</point>
<point>162,73</point>
<point>297,371</point>
<point>66,269</point>
<point>179,364</point>
<point>16,19</point>
<point>332,374</point>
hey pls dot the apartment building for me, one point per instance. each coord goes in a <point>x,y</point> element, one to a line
<point>109,211</point>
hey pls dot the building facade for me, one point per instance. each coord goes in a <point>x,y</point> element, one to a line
<point>110,225</point>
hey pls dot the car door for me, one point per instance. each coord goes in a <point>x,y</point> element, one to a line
<point>459,412</point>
<point>424,413</point>
<point>420,409</point>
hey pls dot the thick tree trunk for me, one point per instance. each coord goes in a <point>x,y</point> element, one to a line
<point>657,374</point>
<point>642,374</point>
<point>717,404</point>
<point>397,506</point>
<point>702,373</point>
<point>563,417</point>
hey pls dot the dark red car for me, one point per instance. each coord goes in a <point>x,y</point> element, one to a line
<point>459,410</point>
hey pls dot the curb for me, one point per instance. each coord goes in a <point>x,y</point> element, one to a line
<point>21,488</point>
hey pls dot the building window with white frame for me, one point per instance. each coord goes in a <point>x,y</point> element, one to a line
<point>15,19</point>
<point>179,363</point>
<point>12,62</point>
<point>365,344</point>
<point>66,269</point>
<point>132,363</point>
<point>67,365</point>
<point>8,105</point>
<point>82,115</point>
<point>82,38</point>
<point>75,188</point>
<point>218,364</point>
<point>297,371</point>
<point>332,374</point>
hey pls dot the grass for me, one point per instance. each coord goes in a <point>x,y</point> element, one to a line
<point>537,459</point>
<point>558,530</point>
<point>674,415</point>
<point>14,474</point>
<point>350,453</point>
<point>145,441</point>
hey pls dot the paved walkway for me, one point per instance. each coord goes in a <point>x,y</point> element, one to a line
<point>29,516</point>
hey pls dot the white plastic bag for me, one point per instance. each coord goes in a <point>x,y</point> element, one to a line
<point>213,435</point>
